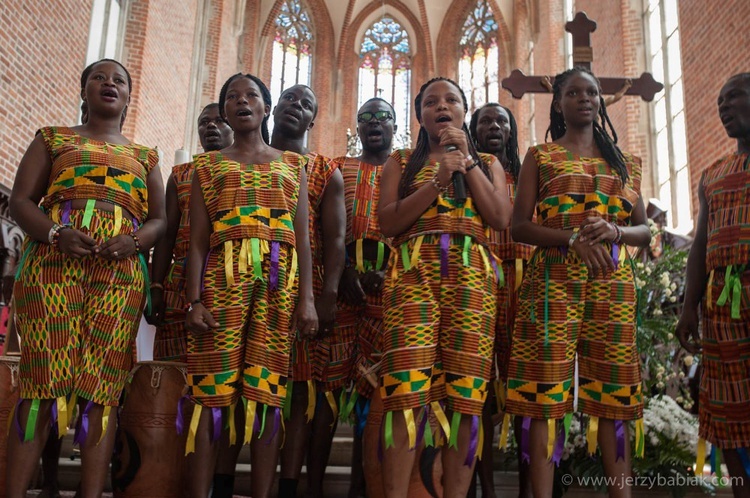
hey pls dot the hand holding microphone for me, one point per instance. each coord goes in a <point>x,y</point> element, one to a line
<point>454,139</point>
<point>459,183</point>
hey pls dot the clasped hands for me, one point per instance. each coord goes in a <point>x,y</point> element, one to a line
<point>588,245</point>
<point>78,244</point>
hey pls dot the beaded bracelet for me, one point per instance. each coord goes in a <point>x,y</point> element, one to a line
<point>472,166</point>
<point>156,285</point>
<point>54,234</point>
<point>137,242</point>
<point>618,231</point>
<point>436,183</point>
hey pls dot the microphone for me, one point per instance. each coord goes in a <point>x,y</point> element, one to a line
<point>459,182</point>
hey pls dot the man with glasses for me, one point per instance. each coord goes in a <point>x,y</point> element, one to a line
<point>359,319</point>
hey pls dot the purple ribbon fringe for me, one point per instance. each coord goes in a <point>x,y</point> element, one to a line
<point>473,442</point>
<point>274,272</point>
<point>620,438</point>
<point>83,429</point>
<point>525,428</point>
<point>445,240</point>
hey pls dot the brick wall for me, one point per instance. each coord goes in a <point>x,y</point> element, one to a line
<point>715,42</point>
<point>156,116</point>
<point>618,47</point>
<point>42,53</point>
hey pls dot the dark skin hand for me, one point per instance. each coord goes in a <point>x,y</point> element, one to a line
<point>350,288</point>
<point>333,224</point>
<point>372,281</point>
<point>687,330</point>
<point>162,256</point>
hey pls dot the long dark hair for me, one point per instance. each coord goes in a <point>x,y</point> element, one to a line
<point>421,152</point>
<point>264,92</point>
<point>513,165</point>
<point>607,144</point>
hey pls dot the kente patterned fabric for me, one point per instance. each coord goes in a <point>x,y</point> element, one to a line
<point>170,341</point>
<point>724,393</point>
<point>319,172</point>
<point>84,168</point>
<point>78,318</point>
<point>445,215</point>
<point>500,242</point>
<point>727,188</point>
<point>563,312</point>
<point>363,324</point>
<point>257,201</point>
<point>248,353</point>
<point>361,192</point>
<point>182,175</point>
<point>439,307</point>
<point>514,257</point>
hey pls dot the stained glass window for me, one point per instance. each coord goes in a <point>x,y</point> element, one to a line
<point>292,48</point>
<point>478,66</point>
<point>385,71</point>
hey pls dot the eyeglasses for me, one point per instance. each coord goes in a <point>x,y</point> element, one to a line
<point>381,116</point>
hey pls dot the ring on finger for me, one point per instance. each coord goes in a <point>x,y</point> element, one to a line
<point>115,253</point>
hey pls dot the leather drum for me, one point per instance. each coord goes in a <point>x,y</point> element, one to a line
<point>427,473</point>
<point>9,394</point>
<point>149,456</point>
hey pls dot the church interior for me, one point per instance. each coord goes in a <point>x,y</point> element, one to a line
<point>670,57</point>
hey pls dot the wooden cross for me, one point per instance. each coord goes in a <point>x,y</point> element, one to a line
<point>581,28</point>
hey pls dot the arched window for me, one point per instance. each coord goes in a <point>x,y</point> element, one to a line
<point>478,66</point>
<point>292,48</point>
<point>385,71</point>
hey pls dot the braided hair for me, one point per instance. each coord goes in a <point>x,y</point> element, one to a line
<point>511,145</point>
<point>264,92</point>
<point>607,144</point>
<point>421,152</point>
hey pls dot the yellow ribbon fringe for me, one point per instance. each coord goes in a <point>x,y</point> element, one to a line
<point>442,419</point>
<point>700,458</point>
<point>232,425</point>
<point>292,275</point>
<point>360,263</point>
<point>334,407</point>
<point>310,413</point>
<point>190,446</point>
<point>504,432</point>
<point>551,438</point>
<point>411,427</point>
<point>118,219</point>
<point>105,422</point>
<point>249,420</point>
<point>62,416</point>
<point>519,272</point>
<point>592,434</point>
